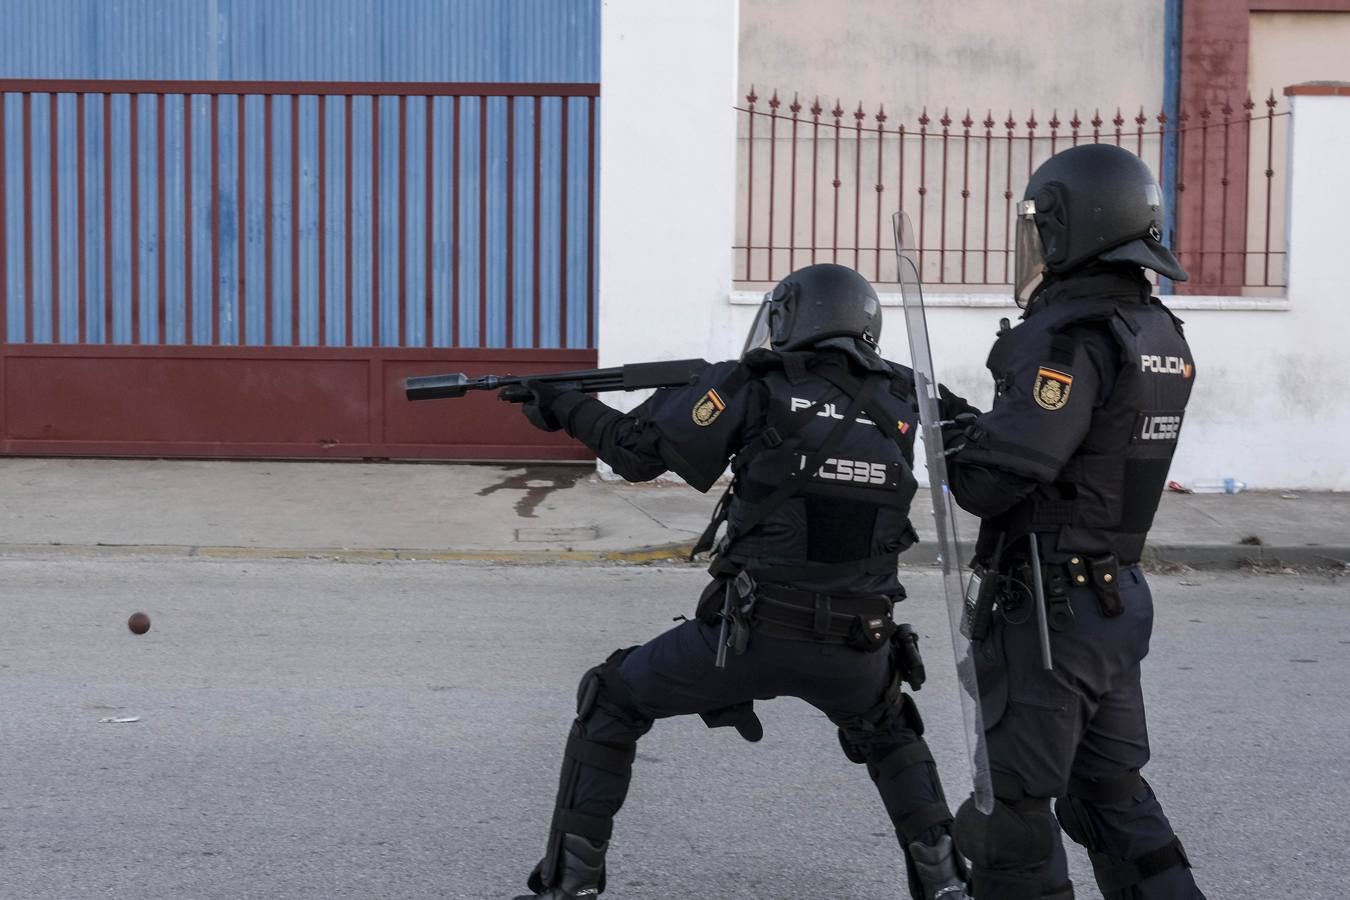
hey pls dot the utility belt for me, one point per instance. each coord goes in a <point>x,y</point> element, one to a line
<point>861,621</point>
<point>1005,584</point>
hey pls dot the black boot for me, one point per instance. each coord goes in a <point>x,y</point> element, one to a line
<point>581,871</point>
<point>938,870</point>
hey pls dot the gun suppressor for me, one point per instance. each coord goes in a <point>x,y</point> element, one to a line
<point>436,387</point>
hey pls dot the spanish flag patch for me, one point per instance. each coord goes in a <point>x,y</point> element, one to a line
<point>1052,388</point>
<point>708,408</point>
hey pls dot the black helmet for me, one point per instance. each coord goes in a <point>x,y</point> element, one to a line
<point>815,304</point>
<point>1092,202</point>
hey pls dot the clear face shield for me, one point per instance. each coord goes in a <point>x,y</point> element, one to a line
<point>1030,254</point>
<point>761,332</point>
<point>774,320</point>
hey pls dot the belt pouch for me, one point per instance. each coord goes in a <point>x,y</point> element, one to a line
<point>1106,582</point>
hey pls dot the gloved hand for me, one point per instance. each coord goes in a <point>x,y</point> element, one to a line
<point>538,398</point>
<point>957,417</point>
<point>955,407</point>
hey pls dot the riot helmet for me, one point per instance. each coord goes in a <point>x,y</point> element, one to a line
<point>1092,202</point>
<point>815,304</point>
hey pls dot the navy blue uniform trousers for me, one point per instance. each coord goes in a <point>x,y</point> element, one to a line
<point>1083,720</point>
<point>674,674</point>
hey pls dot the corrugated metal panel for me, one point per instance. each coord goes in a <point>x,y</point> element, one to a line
<point>318,40</point>
<point>186,212</point>
<point>200,253</point>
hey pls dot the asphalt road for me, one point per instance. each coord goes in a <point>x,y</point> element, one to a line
<point>392,730</point>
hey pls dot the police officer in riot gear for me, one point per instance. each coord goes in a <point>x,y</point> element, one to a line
<point>1091,390</point>
<point>819,432</point>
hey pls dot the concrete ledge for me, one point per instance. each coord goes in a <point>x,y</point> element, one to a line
<point>936,299</point>
<point>1194,556</point>
<point>672,552</point>
<point>1233,556</point>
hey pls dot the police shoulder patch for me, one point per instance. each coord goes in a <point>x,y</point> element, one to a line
<point>708,408</point>
<point>1052,388</point>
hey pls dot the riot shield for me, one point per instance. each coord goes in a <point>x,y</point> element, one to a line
<point>926,385</point>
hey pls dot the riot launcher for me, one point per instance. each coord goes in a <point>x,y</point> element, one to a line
<point>632,377</point>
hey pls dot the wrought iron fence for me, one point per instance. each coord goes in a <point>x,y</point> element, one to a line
<point>806,170</point>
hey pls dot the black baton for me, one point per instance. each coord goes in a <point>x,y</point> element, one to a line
<point>1038,587</point>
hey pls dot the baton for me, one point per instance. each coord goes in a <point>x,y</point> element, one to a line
<point>722,636</point>
<point>1042,623</point>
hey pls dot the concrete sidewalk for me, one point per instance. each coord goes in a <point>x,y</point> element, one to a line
<point>437,511</point>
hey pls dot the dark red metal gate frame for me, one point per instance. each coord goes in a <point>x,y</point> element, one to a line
<point>275,401</point>
<point>264,402</point>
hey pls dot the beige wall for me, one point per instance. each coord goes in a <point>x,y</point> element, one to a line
<point>1285,49</point>
<point>980,55</point>
<point>1289,48</point>
<point>958,53</point>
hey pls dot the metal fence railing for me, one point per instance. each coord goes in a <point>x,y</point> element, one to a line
<point>817,183</point>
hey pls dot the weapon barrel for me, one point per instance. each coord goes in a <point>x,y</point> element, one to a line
<point>633,377</point>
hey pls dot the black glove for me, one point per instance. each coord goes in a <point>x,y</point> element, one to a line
<point>538,398</point>
<point>957,417</point>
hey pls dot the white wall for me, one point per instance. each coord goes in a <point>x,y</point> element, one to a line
<point>1272,397</point>
<point>1271,404</point>
<point>668,176</point>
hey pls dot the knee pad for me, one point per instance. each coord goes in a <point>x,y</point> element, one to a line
<point>1073,810</point>
<point>1116,876</point>
<point>1077,824</point>
<point>896,709</point>
<point>1017,834</point>
<point>605,680</point>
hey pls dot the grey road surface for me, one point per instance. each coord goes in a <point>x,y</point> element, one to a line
<point>329,730</point>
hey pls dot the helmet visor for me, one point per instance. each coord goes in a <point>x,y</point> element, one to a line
<point>1030,254</point>
<point>760,334</point>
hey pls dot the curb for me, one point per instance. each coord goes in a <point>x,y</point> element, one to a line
<point>1235,556</point>
<point>1156,556</point>
<point>674,552</point>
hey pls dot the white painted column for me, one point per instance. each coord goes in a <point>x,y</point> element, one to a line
<point>1319,288</point>
<point>667,177</point>
<point>1270,405</point>
<point>1319,201</point>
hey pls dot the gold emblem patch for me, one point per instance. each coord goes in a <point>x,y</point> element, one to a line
<point>1052,389</point>
<point>708,408</point>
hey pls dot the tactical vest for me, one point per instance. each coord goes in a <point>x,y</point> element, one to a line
<point>846,519</point>
<point>1107,494</point>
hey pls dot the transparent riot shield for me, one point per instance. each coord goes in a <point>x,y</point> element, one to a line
<point>926,384</point>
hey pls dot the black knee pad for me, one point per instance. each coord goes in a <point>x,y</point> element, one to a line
<point>896,709</point>
<point>605,679</point>
<point>851,750</point>
<point>1077,824</point>
<point>1017,834</point>
<point>1074,810</point>
<point>1116,876</point>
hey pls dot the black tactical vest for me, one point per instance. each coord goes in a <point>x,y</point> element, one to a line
<point>842,528</point>
<point>1106,495</point>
